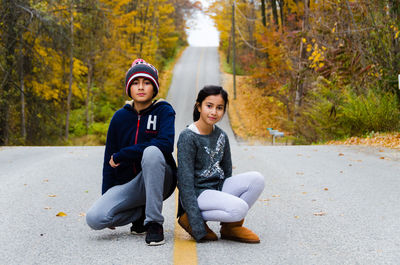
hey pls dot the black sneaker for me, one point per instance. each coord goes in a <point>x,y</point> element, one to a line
<point>138,228</point>
<point>155,234</point>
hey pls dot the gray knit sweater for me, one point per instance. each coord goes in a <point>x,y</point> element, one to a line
<point>204,162</point>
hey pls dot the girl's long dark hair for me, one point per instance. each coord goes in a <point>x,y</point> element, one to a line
<point>205,92</point>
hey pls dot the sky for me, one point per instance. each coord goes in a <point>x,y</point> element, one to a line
<point>202,31</point>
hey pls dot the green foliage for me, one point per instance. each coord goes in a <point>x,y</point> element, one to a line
<point>104,112</point>
<point>77,121</point>
<point>375,111</point>
<point>332,112</point>
<point>100,130</point>
<point>228,68</point>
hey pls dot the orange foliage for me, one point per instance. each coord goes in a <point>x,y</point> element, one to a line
<point>251,113</point>
<point>390,140</point>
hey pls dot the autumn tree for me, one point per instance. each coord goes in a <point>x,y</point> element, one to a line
<point>315,58</point>
<point>62,63</point>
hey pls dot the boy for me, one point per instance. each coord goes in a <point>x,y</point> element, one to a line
<point>139,171</point>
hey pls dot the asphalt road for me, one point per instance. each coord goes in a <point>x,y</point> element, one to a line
<point>321,204</point>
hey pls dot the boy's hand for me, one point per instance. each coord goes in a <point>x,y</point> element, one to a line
<point>112,163</point>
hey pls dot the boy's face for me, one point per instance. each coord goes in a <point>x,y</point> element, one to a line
<point>142,90</point>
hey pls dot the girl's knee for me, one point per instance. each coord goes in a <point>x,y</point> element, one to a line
<point>257,179</point>
<point>239,211</point>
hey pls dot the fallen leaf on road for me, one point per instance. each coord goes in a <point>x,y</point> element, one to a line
<point>61,214</point>
<point>304,192</point>
<point>299,173</point>
<point>45,180</point>
<point>320,214</point>
<point>340,154</point>
<point>297,217</point>
<point>52,195</point>
<point>382,157</point>
<point>82,214</point>
<point>275,196</point>
<point>325,188</point>
<point>47,208</point>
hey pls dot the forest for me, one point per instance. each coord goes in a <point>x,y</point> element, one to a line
<point>318,69</point>
<point>62,63</point>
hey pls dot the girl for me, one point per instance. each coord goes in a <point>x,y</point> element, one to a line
<point>207,189</point>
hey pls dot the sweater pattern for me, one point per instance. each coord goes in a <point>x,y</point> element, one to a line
<point>214,168</point>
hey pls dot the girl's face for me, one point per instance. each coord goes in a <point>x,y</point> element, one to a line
<point>142,90</point>
<point>212,109</point>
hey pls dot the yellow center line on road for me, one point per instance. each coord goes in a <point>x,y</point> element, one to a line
<point>185,252</point>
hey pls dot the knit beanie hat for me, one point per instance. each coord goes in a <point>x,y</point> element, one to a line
<point>140,68</point>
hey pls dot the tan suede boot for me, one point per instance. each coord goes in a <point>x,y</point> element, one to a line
<point>183,221</point>
<point>236,232</point>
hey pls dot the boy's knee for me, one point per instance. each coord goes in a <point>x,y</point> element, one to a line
<point>152,154</point>
<point>95,220</point>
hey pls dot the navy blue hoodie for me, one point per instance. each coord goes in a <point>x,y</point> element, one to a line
<point>130,133</point>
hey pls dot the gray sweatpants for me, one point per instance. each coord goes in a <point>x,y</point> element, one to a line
<point>123,204</point>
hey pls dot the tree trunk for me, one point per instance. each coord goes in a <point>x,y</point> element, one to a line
<point>281,5</point>
<point>88,91</point>
<point>71,68</point>
<point>22,90</point>
<point>275,12</point>
<point>228,54</point>
<point>302,58</point>
<point>264,19</point>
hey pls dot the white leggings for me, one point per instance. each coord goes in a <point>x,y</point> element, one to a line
<point>238,194</point>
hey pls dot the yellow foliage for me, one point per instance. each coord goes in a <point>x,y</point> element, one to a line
<point>296,7</point>
<point>317,56</point>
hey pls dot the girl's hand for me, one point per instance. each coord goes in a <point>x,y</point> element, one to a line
<point>112,163</point>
